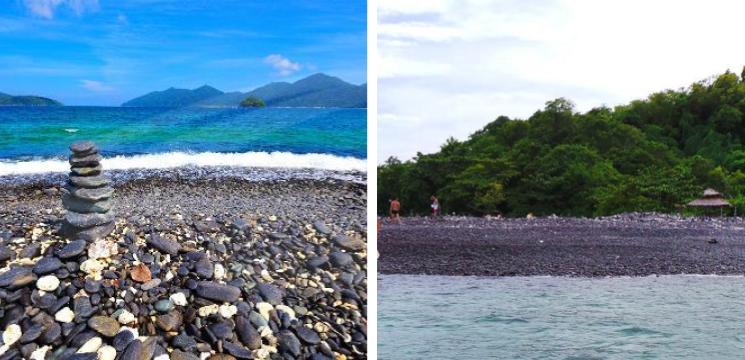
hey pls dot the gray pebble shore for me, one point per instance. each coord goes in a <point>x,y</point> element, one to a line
<point>203,263</point>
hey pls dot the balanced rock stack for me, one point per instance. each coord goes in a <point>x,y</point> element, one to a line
<point>87,196</point>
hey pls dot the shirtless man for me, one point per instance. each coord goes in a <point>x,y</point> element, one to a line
<point>435,206</point>
<point>395,210</point>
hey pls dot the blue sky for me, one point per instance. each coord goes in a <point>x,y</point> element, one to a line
<point>104,52</point>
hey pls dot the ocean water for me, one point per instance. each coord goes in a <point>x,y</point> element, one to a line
<point>666,317</point>
<point>36,139</point>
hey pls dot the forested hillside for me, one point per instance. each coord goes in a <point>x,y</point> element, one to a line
<point>649,155</point>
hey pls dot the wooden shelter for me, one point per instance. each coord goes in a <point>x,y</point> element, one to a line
<point>712,199</point>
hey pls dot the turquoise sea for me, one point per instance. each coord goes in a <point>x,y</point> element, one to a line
<point>36,138</point>
<point>665,317</point>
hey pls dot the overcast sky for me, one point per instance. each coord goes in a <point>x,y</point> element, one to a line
<point>448,67</point>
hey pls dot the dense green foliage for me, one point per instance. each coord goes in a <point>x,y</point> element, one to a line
<point>252,101</point>
<point>9,100</point>
<point>649,155</point>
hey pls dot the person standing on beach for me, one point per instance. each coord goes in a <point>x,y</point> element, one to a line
<point>435,206</point>
<point>395,210</point>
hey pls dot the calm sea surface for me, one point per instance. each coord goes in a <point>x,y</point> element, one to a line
<point>296,137</point>
<point>666,317</point>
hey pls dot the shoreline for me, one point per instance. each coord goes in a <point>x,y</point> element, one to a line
<point>630,245</point>
<point>196,266</point>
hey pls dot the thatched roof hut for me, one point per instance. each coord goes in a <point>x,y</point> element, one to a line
<point>711,199</point>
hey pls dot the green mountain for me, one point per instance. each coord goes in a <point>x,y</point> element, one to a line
<point>655,154</point>
<point>10,100</point>
<point>317,90</point>
<point>174,97</point>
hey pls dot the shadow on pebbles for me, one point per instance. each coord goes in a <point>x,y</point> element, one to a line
<point>194,269</point>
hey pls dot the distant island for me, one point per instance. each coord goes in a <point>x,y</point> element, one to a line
<point>318,90</point>
<point>253,101</point>
<point>27,100</point>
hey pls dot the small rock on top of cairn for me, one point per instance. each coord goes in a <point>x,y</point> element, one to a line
<point>87,196</point>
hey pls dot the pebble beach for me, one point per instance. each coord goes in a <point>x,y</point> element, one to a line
<point>202,263</point>
<point>623,245</point>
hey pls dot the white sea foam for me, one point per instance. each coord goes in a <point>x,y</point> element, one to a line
<point>71,130</point>
<point>179,159</point>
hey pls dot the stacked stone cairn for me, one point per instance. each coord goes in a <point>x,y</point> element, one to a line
<point>87,196</point>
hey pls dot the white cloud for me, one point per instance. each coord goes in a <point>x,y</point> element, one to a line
<point>282,64</point>
<point>95,86</point>
<point>448,67</point>
<point>47,8</point>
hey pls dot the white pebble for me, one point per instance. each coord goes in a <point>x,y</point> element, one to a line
<point>219,272</point>
<point>287,310</point>
<point>65,315</point>
<point>178,299</point>
<point>227,311</point>
<point>162,357</point>
<point>40,353</point>
<point>106,352</point>
<point>91,345</point>
<point>126,317</point>
<point>47,283</point>
<point>264,309</point>
<point>11,334</point>
<point>208,310</point>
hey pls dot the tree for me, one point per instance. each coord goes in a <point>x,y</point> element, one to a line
<point>252,101</point>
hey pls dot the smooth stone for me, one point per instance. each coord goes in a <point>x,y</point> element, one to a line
<point>32,333</point>
<point>91,346</point>
<point>83,307</point>
<point>85,160</point>
<point>12,334</point>
<point>133,351</point>
<point>236,350</point>
<point>92,286</point>
<point>106,352</point>
<point>105,325</point>
<point>247,334</point>
<point>169,322</point>
<point>316,261</point>
<point>178,299</point>
<point>321,227</point>
<point>47,283</point>
<point>122,339</point>
<point>30,251</point>
<point>341,259</point>
<point>86,171</point>
<point>5,253</point>
<point>180,355</point>
<point>227,311</point>
<point>101,249</point>
<point>17,277</point>
<point>218,292</point>
<point>140,273</point>
<point>271,294</point>
<point>309,336</point>
<point>83,146</point>
<point>219,272</point>
<point>72,249</point>
<point>348,243</point>
<point>184,342</point>
<point>47,265</point>
<point>150,284</point>
<point>89,181</point>
<point>204,268</point>
<point>288,343</point>
<point>52,334</point>
<point>165,245</point>
<point>84,221</point>
<point>65,315</point>
<point>76,204</point>
<point>257,319</point>
<point>126,317</point>
<point>82,356</point>
<point>222,330</point>
<point>164,305</point>
<point>94,233</point>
